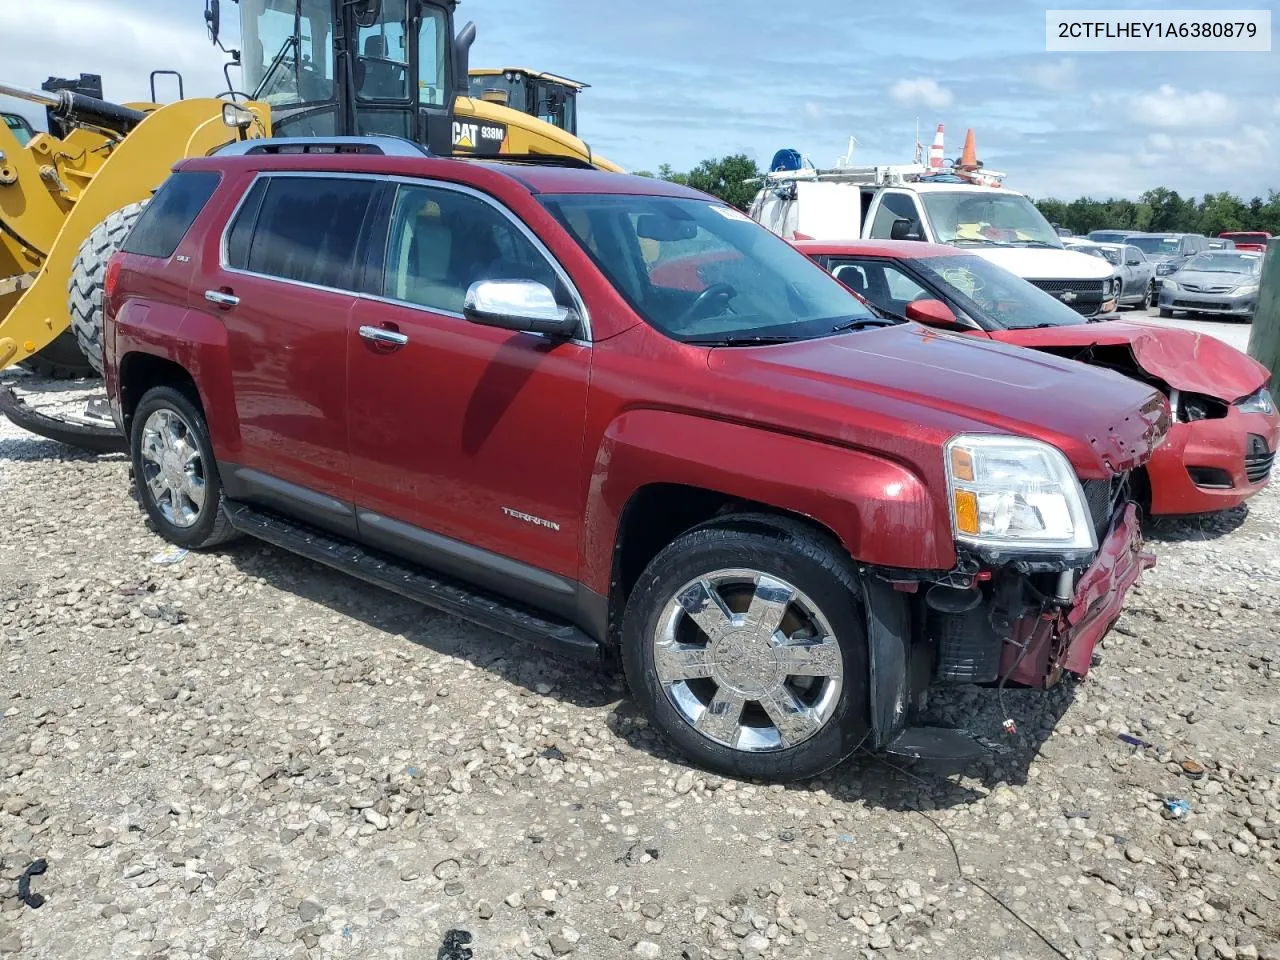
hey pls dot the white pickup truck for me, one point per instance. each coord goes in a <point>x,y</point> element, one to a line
<point>894,203</point>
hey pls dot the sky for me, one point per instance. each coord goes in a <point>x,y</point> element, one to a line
<point>679,81</point>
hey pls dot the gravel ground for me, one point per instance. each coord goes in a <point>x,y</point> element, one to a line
<point>241,754</point>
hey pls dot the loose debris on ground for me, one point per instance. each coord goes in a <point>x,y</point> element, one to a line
<point>240,754</point>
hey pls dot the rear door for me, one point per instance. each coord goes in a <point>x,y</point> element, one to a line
<point>466,440</point>
<point>283,292</point>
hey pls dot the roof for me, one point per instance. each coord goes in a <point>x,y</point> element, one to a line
<point>532,177</point>
<point>536,74</point>
<point>895,249</point>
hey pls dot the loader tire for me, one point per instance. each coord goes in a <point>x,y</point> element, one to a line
<point>89,273</point>
<point>60,360</point>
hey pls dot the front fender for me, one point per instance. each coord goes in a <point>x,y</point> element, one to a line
<point>881,511</point>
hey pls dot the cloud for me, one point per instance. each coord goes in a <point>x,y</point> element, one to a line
<point>1169,108</point>
<point>921,92</point>
<point>813,111</point>
<point>1058,75</point>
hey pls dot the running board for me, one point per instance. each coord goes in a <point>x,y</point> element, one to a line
<point>445,595</point>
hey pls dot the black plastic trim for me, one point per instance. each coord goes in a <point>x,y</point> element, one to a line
<point>254,486</point>
<point>442,594</point>
<point>488,570</point>
<point>888,636</point>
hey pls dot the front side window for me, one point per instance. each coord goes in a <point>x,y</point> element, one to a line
<point>382,64</point>
<point>996,298</point>
<point>988,218</point>
<point>305,229</point>
<point>702,272</point>
<point>169,215</point>
<point>893,207</point>
<point>287,50</point>
<point>1133,253</point>
<point>441,241</point>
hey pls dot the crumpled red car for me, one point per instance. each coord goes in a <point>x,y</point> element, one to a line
<point>1223,444</point>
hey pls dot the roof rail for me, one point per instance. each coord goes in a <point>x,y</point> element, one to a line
<point>531,159</point>
<point>380,145</point>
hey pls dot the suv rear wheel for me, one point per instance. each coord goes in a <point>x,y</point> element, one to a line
<point>175,472</point>
<point>746,646</point>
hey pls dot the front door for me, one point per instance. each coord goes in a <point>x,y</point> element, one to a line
<point>466,440</point>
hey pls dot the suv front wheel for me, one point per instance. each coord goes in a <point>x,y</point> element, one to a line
<point>745,644</point>
<point>175,472</point>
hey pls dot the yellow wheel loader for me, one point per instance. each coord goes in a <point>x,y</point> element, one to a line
<point>315,68</point>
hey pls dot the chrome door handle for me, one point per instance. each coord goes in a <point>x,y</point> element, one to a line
<point>383,336</point>
<point>221,299</point>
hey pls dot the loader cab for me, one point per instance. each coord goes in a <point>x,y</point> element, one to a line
<point>353,67</point>
<point>552,99</point>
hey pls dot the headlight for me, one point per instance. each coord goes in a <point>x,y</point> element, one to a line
<point>1245,289</point>
<point>1015,493</point>
<point>1260,402</point>
<point>1168,284</point>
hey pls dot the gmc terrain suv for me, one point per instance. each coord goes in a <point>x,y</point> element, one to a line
<point>784,514</point>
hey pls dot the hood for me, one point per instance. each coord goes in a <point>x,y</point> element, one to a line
<point>1044,263</point>
<point>1218,280</point>
<point>952,383</point>
<point>1184,360</point>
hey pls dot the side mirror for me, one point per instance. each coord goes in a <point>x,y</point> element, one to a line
<point>367,12</point>
<point>213,19</point>
<point>523,305</point>
<point>934,313</point>
<point>904,230</point>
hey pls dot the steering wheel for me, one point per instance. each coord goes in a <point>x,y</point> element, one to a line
<point>717,291</point>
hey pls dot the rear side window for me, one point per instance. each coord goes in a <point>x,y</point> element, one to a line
<point>306,229</point>
<point>169,215</point>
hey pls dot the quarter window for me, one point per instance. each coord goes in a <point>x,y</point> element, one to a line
<point>169,215</point>
<point>441,241</point>
<point>306,229</point>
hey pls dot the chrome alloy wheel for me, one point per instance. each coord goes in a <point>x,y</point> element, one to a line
<point>172,467</point>
<point>748,660</point>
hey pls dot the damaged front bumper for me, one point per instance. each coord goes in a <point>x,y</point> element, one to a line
<point>1043,645</point>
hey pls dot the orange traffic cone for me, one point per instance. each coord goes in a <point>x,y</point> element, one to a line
<point>969,158</point>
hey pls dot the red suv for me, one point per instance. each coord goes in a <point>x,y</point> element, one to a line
<point>460,380</point>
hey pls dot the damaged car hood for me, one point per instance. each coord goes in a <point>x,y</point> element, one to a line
<point>1110,424</point>
<point>1181,358</point>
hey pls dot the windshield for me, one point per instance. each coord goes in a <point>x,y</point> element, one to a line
<point>1109,254</point>
<point>700,271</point>
<point>1224,263</point>
<point>994,295</point>
<point>304,71</point>
<point>987,217</point>
<point>514,89</point>
<point>1155,245</point>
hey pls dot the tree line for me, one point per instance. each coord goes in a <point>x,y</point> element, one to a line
<point>1159,210</point>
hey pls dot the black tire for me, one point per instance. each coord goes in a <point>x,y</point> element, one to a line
<point>1147,297</point>
<point>62,359</point>
<point>211,525</point>
<point>89,273</point>
<point>815,566</point>
<point>1166,312</point>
